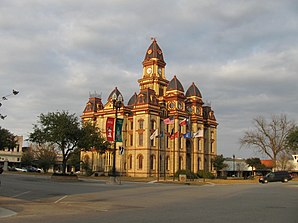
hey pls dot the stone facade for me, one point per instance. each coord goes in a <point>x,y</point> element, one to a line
<point>157,100</point>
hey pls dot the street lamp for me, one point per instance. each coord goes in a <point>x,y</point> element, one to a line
<point>4,98</point>
<point>117,104</point>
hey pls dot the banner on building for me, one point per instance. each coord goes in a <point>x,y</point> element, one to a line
<point>183,122</point>
<point>110,129</point>
<point>198,134</point>
<point>154,134</point>
<point>169,121</point>
<point>187,135</point>
<point>119,123</point>
<point>175,135</point>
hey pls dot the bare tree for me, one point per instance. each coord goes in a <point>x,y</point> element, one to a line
<point>268,137</point>
<point>45,155</point>
<point>283,162</point>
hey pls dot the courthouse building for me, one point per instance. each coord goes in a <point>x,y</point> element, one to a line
<point>165,129</point>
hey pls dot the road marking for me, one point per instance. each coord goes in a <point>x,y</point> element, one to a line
<point>60,199</point>
<point>18,195</point>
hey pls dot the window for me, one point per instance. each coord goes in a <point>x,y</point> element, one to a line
<point>131,140</point>
<point>141,124</point>
<point>130,162</point>
<point>131,125</point>
<point>152,124</point>
<point>180,163</point>
<point>152,161</point>
<point>152,142</point>
<point>167,163</point>
<point>160,91</point>
<point>140,162</point>
<point>141,136</point>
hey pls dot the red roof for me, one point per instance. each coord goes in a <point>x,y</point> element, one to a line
<point>267,163</point>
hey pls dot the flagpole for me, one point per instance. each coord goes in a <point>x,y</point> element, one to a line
<point>159,141</point>
<point>174,154</point>
<point>164,158</point>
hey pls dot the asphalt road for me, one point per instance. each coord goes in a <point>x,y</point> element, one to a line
<point>37,199</point>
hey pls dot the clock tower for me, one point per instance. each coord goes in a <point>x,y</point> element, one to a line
<point>154,70</point>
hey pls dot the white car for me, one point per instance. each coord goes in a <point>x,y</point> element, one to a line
<point>20,169</point>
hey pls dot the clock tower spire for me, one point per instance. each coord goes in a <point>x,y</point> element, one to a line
<point>153,76</point>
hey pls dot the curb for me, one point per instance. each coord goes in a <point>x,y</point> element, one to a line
<point>6,213</point>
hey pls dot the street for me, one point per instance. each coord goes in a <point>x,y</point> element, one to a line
<point>38,199</point>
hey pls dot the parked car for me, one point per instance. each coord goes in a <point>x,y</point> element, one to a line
<point>11,168</point>
<point>21,169</point>
<point>283,176</point>
<point>34,169</point>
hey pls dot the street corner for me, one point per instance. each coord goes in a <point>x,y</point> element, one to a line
<point>6,213</point>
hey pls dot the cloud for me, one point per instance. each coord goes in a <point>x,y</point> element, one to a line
<point>241,54</point>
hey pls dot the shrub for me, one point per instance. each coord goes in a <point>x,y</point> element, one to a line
<point>205,174</point>
<point>188,173</point>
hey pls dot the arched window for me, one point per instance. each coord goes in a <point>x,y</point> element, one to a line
<point>140,161</point>
<point>141,124</point>
<point>152,162</point>
<point>129,162</point>
<point>141,139</point>
<point>180,162</point>
<point>167,163</point>
<point>153,124</point>
<point>131,139</point>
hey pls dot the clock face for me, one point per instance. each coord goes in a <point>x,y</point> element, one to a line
<point>159,70</point>
<point>171,105</point>
<point>189,109</point>
<point>149,70</point>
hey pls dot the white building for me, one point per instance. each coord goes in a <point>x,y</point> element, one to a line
<point>12,156</point>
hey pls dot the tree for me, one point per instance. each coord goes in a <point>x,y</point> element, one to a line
<point>45,156</point>
<point>7,139</point>
<point>269,137</point>
<point>218,163</point>
<point>292,140</point>
<point>65,132</point>
<point>75,159</point>
<point>255,163</point>
<point>27,158</point>
<point>283,161</point>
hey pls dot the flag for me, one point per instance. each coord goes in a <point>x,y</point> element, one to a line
<point>187,135</point>
<point>161,134</point>
<point>154,134</point>
<point>175,135</point>
<point>121,150</point>
<point>169,121</point>
<point>119,123</point>
<point>110,129</point>
<point>183,122</point>
<point>198,134</point>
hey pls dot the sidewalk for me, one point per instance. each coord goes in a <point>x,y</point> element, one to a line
<point>6,213</point>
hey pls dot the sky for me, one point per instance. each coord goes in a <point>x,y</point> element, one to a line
<point>242,55</point>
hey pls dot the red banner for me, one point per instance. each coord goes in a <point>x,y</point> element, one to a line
<point>110,129</point>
